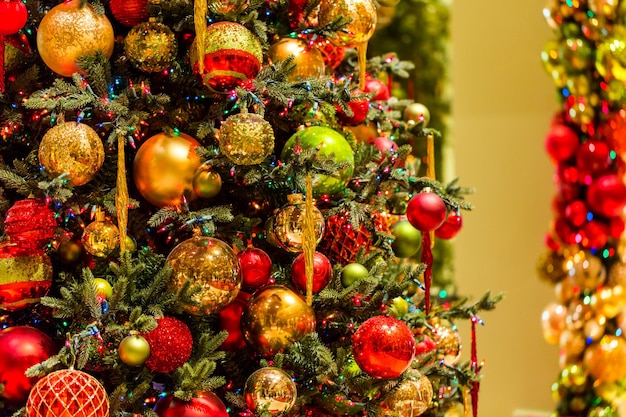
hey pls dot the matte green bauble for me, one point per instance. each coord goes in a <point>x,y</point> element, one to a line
<point>331,144</point>
<point>352,273</point>
<point>408,239</point>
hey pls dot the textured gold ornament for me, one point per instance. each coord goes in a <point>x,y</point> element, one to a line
<point>100,237</point>
<point>246,138</point>
<point>411,398</point>
<point>289,223</point>
<point>211,264</point>
<point>69,31</point>
<point>270,389</point>
<point>150,46</point>
<point>275,318</point>
<point>134,350</point>
<point>164,168</point>
<point>74,149</point>
<point>308,60</point>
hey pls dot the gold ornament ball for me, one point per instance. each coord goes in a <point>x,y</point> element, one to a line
<point>362,15</point>
<point>448,342</point>
<point>207,183</point>
<point>150,46</point>
<point>608,56</point>
<point>308,61</point>
<point>131,244</point>
<point>586,270</point>
<point>270,389</point>
<point>74,149</point>
<point>246,138</point>
<point>411,398</point>
<point>553,322</point>
<point>100,238</point>
<point>103,288</point>
<point>164,168</point>
<point>70,251</point>
<point>416,114</point>
<point>69,31</point>
<point>550,267</point>
<point>134,350</point>
<point>288,224</point>
<point>211,264</point>
<point>275,318</point>
<point>609,301</point>
<point>606,360</point>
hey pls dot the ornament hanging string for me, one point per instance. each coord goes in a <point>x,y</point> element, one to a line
<point>474,367</point>
<point>308,239</point>
<point>199,21</point>
<point>121,195</point>
<point>428,239</point>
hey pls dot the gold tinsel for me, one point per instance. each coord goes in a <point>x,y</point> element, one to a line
<point>199,21</point>
<point>308,239</point>
<point>121,195</point>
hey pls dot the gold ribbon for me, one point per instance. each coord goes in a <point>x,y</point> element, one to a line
<point>308,240</point>
<point>199,21</point>
<point>121,195</point>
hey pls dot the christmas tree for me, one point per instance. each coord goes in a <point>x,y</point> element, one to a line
<point>219,209</point>
<point>585,255</point>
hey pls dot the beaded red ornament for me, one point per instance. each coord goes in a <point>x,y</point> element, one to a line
<point>170,345</point>
<point>30,223</point>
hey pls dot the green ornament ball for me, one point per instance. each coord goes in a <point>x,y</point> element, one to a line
<point>408,239</point>
<point>331,144</point>
<point>352,273</point>
<point>399,307</point>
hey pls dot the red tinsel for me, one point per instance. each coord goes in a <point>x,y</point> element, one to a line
<point>30,223</point>
<point>170,345</point>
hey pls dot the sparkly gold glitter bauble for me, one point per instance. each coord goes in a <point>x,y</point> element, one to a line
<point>416,114</point>
<point>69,31</point>
<point>578,314</point>
<point>586,270</point>
<point>25,277</point>
<point>288,224</point>
<point>271,390</point>
<point>246,138</point>
<point>606,359</point>
<point>100,237</point>
<point>609,56</point>
<point>134,350</point>
<point>211,264</point>
<point>164,168</point>
<point>228,6</point>
<point>362,16</point>
<point>150,46</point>
<point>609,301</point>
<point>411,398</point>
<point>207,183</point>
<point>571,345</point>
<point>74,149</point>
<point>573,377</point>
<point>308,60</point>
<point>275,318</point>
<point>551,267</point>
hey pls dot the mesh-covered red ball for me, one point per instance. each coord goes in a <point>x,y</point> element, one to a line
<point>30,223</point>
<point>170,345</point>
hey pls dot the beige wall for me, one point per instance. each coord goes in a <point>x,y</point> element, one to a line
<point>503,101</point>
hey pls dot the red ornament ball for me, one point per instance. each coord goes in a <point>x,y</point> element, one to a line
<point>230,320</point>
<point>561,142</point>
<point>20,348</point>
<point>359,108</point>
<point>322,272</point>
<point>384,144</point>
<point>576,213</point>
<point>451,227</point>
<point>383,347</point>
<point>30,223</point>
<point>606,196</point>
<point>616,227</point>
<point>332,54</point>
<point>13,16</point>
<point>130,12</point>
<point>256,267</point>
<point>25,277</point>
<point>426,211</point>
<point>170,345</point>
<point>594,234</point>
<point>205,404</point>
<point>378,89</point>
<point>68,393</point>
<point>593,157</point>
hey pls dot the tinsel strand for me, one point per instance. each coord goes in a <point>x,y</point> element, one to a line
<point>199,21</point>
<point>308,240</point>
<point>474,367</point>
<point>121,195</point>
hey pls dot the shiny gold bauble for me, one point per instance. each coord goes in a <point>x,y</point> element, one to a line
<point>246,138</point>
<point>308,60</point>
<point>609,301</point>
<point>16,51</point>
<point>448,341</point>
<point>617,273</point>
<point>550,267</point>
<point>100,238</point>
<point>69,31</point>
<point>605,8</point>
<point>609,62</point>
<point>270,389</point>
<point>411,398</point>
<point>150,46</point>
<point>572,344</point>
<point>74,149</point>
<point>288,224</point>
<point>275,318</point>
<point>134,350</point>
<point>164,168</point>
<point>70,251</point>
<point>578,314</point>
<point>586,270</point>
<point>360,28</point>
<point>416,114</point>
<point>103,288</point>
<point>606,360</point>
<point>207,183</point>
<point>553,322</point>
<point>594,328</point>
<point>211,264</point>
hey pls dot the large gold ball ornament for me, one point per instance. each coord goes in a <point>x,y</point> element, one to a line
<point>134,350</point>
<point>211,264</point>
<point>275,318</point>
<point>606,360</point>
<point>74,149</point>
<point>69,31</point>
<point>246,138</point>
<point>360,28</point>
<point>164,168</point>
<point>586,270</point>
<point>270,389</point>
<point>288,224</point>
<point>207,183</point>
<point>411,398</point>
<point>100,238</point>
<point>309,61</point>
<point>416,114</point>
<point>150,46</point>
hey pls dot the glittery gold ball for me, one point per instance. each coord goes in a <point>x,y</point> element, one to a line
<point>69,31</point>
<point>246,138</point>
<point>74,149</point>
<point>308,61</point>
<point>150,46</point>
<point>411,398</point>
<point>270,389</point>
<point>362,15</point>
<point>211,264</point>
<point>100,238</point>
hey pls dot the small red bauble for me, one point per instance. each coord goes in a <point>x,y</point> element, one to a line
<point>359,108</point>
<point>13,16</point>
<point>205,404</point>
<point>451,227</point>
<point>20,348</point>
<point>576,213</point>
<point>130,12</point>
<point>616,227</point>
<point>170,345</point>
<point>425,345</point>
<point>383,347</point>
<point>256,267</point>
<point>606,196</point>
<point>593,234</point>
<point>377,89</point>
<point>30,223</point>
<point>426,211</point>
<point>565,232</point>
<point>561,142</point>
<point>592,158</point>
<point>384,144</point>
<point>322,272</point>
<point>230,320</point>
<point>568,192</point>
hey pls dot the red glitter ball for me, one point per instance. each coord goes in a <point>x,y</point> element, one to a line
<point>170,345</point>
<point>30,223</point>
